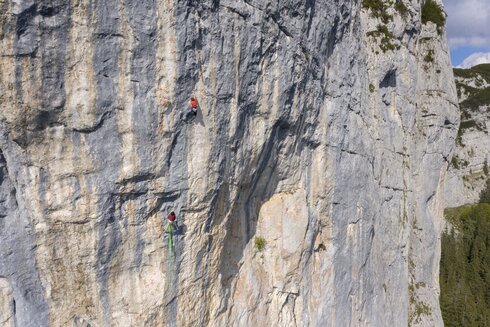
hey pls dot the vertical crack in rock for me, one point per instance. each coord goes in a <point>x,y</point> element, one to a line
<point>54,24</point>
<point>142,19</point>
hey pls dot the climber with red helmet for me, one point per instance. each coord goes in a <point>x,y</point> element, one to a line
<point>192,112</point>
<point>171,222</point>
<point>169,229</point>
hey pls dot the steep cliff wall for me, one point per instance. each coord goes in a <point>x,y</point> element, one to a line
<point>323,128</point>
<point>469,169</point>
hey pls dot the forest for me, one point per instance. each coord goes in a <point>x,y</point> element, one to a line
<point>465,264</point>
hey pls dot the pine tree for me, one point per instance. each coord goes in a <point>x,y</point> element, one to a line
<point>485,194</point>
<point>465,267</point>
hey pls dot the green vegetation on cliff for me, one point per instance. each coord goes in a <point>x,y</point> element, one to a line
<point>465,266</point>
<point>432,12</point>
<point>477,99</point>
<point>477,95</point>
<point>378,9</point>
<point>485,194</point>
<point>483,70</point>
<point>472,85</point>
<point>260,243</point>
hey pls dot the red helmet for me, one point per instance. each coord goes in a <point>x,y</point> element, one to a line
<point>171,216</point>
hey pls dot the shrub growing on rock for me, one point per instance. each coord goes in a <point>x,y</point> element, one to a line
<point>260,243</point>
<point>432,12</point>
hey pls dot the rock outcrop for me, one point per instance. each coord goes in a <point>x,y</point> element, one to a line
<point>323,132</point>
<point>469,169</point>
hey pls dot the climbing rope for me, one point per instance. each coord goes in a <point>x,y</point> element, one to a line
<point>169,230</point>
<point>170,238</point>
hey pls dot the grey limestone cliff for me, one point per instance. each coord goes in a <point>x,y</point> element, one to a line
<point>469,169</point>
<point>322,128</point>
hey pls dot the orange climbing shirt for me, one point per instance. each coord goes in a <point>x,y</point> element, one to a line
<point>193,103</point>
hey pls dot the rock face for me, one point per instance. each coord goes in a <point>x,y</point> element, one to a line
<point>317,132</point>
<point>469,169</point>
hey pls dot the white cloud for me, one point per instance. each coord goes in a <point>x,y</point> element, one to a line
<point>475,59</point>
<point>468,22</point>
<point>474,41</point>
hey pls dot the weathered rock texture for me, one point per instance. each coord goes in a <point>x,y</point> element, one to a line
<point>308,135</point>
<point>469,169</point>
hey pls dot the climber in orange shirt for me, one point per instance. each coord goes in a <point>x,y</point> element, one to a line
<point>192,113</point>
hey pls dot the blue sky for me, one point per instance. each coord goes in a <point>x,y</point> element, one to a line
<point>468,30</point>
